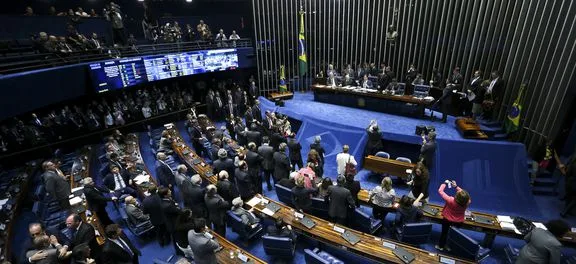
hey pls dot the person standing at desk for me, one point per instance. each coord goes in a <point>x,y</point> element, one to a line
<point>543,245</point>
<point>339,200</point>
<point>454,210</point>
<point>374,143</point>
<point>420,184</point>
<point>428,150</point>
<point>56,184</point>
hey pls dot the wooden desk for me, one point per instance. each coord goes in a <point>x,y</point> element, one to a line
<point>208,128</point>
<point>82,166</point>
<point>369,246</point>
<point>187,155</point>
<point>387,166</point>
<point>281,96</point>
<point>469,128</point>
<point>140,161</point>
<point>223,256</point>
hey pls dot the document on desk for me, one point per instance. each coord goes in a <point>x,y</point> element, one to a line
<point>268,211</point>
<point>141,179</point>
<point>350,237</point>
<point>403,255</point>
<point>540,225</point>
<point>504,218</point>
<point>254,201</point>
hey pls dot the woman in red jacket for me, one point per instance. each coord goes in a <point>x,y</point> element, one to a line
<point>454,210</point>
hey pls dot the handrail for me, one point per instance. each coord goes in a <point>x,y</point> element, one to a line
<point>53,59</point>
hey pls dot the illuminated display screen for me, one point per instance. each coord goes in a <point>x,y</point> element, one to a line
<point>117,74</point>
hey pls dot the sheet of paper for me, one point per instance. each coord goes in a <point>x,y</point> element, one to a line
<point>268,212</point>
<point>254,201</point>
<point>540,225</point>
<point>141,179</point>
<point>504,218</point>
<point>389,245</point>
<point>3,202</point>
<point>242,257</point>
<point>75,200</point>
<point>573,229</point>
<point>77,189</point>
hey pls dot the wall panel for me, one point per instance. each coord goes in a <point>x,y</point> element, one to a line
<point>531,41</point>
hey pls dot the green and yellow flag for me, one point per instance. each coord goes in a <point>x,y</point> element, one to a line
<point>302,47</point>
<point>282,88</point>
<point>513,121</point>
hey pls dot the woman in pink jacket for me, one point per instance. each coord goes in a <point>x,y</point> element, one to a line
<point>454,210</point>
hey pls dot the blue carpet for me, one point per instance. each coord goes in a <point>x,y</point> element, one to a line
<point>493,172</point>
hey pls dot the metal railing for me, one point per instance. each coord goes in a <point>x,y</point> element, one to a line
<point>17,62</point>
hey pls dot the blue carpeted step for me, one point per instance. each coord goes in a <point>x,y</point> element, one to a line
<point>489,123</point>
<point>500,136</point>
<point>551,182</point>
<point>539,190</point>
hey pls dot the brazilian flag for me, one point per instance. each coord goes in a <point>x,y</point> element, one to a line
<point>302,47</point>
<point>282,87</point>
<point>513,121</point>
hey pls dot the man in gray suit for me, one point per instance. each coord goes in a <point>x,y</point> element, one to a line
<point>339,200</point>
<point>202,244</point>
<point>267,153</point>
<point>281,163</point>
<point>135,214</point>
<point>543,245</point>
<point>56,184</point>
<point>248,218</point>
<point>217,208</point>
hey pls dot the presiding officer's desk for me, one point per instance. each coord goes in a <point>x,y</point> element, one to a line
<point>230,253</point>
<point>388,166</point>
<point>407,105</point>
<point>369,246</point>
<point>82,166</point>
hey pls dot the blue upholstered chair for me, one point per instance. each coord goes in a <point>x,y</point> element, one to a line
<point>138,229</point>
<point>365,223</point>
<point>316,256</point>
<point>465,247</point>
<point>319,207</point>
<point>283,247</point>
<point>512,254</point>
<point>382,154</point>
<point>414,233</point>
<point>244,231</point>
<point>404,159</point>
<point>284,194</point>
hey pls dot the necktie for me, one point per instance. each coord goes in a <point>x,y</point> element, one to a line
<point>119,182</point>
<point>126,247</point>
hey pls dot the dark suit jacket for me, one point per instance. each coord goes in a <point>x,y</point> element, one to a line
<point>152,205</point>
<point>95,197</point>
<point>318,147</point>
<point>164,174</point>
<point>498,90</point>
<point>428,151</point>
<point>284,232</point>
<point>171,212</point>
<point>55,185</point>
<point>112,253</point>
<point>287,182</point>
<point>281,166</point>
<point>226,190</point>
<point>217,208</point>
<point>301,198</point>
<point>85,234</point>
<point>257,113</point>
<point>339,200</point>
<point>244,182</point>
<point>267,153</point>
<point>354,188</point>
<point>294,148</point>
<point>275,140</point>
<point>225,164</point>
<point>110,182</point>
<point>195,200</point>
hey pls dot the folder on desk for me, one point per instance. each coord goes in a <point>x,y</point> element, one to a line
<point>273,207</point>
<point>307,222</point>
<point>483,220</point>
<point>186,151</point>
<point>209,174</point>
<point>196,161</point>
<point>350,237</point>
<point>403,255</point>
<point>429,210</point>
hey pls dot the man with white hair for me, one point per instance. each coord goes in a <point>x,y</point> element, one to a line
<point>135,214</point>
<point>225,188</point>
<point>248,218</point>
<point>224,163</point>
<point>195,198</point>
<point>281,163</point>
<point>344,158</point>
<point>97,201</point>
<point>164,173</point>
<point>217,208</point>
<point>318,147</point>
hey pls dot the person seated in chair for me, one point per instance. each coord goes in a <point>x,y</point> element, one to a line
<point>542,246</point>
<point>119,183</point>
<point>407,213</point>
<point>281,229</point>
<point>165,144</point>
<point>248,218</point>
<point>134,212</point>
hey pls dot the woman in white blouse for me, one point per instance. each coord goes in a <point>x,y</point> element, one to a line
<point>382,197</point>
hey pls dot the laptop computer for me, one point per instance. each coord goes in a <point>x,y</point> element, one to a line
<point>350,237</point>
<point>429,210</point>
<point>483,220</point>
<point>273,207</point>
<point>307,222</point>
<point>403,255</point>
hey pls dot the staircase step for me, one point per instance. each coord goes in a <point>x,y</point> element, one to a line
<point>537,190</point>
<point>500,136</point>
<point>545,182</point>
<point>489,123</point>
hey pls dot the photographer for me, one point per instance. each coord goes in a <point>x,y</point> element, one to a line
<point>454,210</point>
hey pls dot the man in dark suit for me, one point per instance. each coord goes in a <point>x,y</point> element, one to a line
<point>318,147</point>
<point>217,208</point>
<point>256,111</point>
<point>281,163</point>
<point>290,181</point>
<point>254,161</point>
<point>366,83</point>
<point>225,188</point>
<point>115,160</point>
<point>339,201</point>
<point>171,211</point>
<point>82,233</point>
<point>276,139</point>
<point>224,163</point>
<point>281,229</point>
<point>195,197</point>
<point>244,181</point>
<point>196,136</point>
<point>267,153</point>
<point>354,187</point>
<point>56,184</point>
<point>216,146</point>
<point>152,206</point>
<point>119,183</point>
<point>294,149</point>
<point>494,91</point>
<point>164,173</point>
<point>97,200</point>
<point>253,135</point>
<point>118,249</point>
<point>240,131</point>
<point>428,150</point>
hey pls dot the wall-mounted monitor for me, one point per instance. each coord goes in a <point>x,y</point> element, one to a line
<point>117,74</point>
